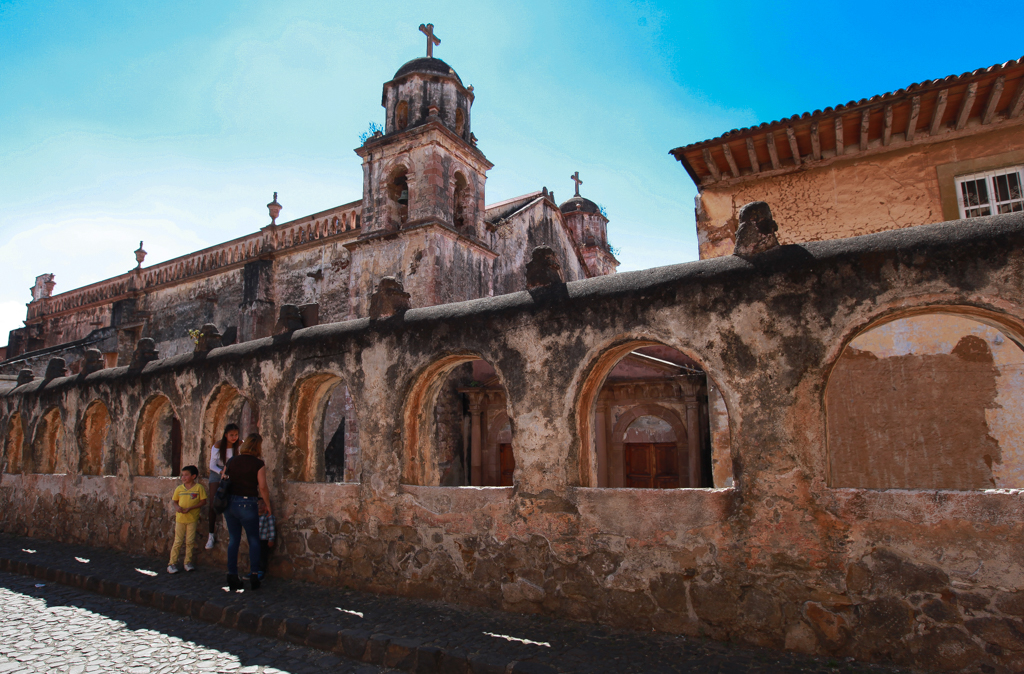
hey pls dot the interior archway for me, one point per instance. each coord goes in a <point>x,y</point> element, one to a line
<point>158,439</point>
<point>927,401</point>
<point>226,406</point>
<point>92,439</point>
<point>685,442</point>
<point>456,430</point>
<point>323,440</point>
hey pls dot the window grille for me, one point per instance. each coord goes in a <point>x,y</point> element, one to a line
<point>992,192</point>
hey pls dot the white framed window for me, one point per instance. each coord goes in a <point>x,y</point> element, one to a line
<point>991,192</point>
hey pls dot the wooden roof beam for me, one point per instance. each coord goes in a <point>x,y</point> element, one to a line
<point>865,119</point>
<point>966,104</point>
<point>1017,105</point>
<point>839,136</point>
<point>793,147</point>
<point>716,175</point>
<point>773,152</point>
<point>993,100</point>
<point>940,109</point>
<point>887,129</point>
<point>815,142</point>
<point>755,165</point>
<point>915,113</point>
<point>732,162</point>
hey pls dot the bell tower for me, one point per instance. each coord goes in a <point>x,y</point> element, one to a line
<point>423,186</point>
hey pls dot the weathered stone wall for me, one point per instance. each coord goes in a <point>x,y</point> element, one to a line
<point>924,578</point>
<point>902,188</point>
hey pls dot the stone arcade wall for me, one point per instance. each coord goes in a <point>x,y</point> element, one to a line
<point>925,578</point>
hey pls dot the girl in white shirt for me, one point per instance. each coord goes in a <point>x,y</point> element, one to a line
<point>220,454</point>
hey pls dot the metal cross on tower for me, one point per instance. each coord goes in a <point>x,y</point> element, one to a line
<point>576,179</point>
<point>428,30</point>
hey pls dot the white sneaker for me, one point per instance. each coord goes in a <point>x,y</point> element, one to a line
<point>173,568</point>
<point>189,567</point>
<point>209,542</point>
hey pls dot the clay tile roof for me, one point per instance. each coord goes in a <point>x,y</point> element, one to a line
<point>924,112</point>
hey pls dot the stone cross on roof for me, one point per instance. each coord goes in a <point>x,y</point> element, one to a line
<point>428,30</point>
<point>576,179</point>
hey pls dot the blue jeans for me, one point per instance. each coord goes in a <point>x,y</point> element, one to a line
<point>242,513</point>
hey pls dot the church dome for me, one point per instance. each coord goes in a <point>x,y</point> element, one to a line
<point>427,65</point>
<point>579,204</point>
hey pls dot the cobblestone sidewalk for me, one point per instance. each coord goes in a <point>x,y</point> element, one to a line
<point>48,628</point>
<point>405,634</point>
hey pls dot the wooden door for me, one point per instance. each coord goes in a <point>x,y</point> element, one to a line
<point>652,465</point>
<point>508,464</point>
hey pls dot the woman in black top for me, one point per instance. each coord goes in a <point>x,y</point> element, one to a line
<point>248,475</point>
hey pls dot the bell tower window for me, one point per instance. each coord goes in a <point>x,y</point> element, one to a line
<point>460,122</point>
<point>460,199</point>
<point>402,115</point>
<point>398,196</point>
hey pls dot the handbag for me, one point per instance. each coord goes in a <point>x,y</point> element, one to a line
<point>222,498</point>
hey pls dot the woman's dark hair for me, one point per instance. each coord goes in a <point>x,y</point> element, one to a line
<point>222,444</point>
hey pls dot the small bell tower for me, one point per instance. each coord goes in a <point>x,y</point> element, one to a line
<point>423,182</point>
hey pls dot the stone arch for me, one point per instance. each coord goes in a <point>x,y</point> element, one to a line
<point>687,464</point>
<point>398,190</point>
<point>699,406</point>
<point>226,406</point>
<point>93,455</point>
<point>460,123</point>
<point>158,439</point>
<point>48,436</point>
<point>432,453</point>
<point>14,444</point>
<point>927,398</point>
<point>462,214</point>
<point>401,115</point>
<point>323,431</point>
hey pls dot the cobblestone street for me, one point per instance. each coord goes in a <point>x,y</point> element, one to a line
<point>47,628</point>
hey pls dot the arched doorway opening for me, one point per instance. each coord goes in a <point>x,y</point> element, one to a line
<point>323,444</point>
<point>457,432</point>
<point>226,406</point>
<point>158,439</point>
<point>651,418</point>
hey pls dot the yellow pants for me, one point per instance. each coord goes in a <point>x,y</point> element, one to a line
<point>184,532</point>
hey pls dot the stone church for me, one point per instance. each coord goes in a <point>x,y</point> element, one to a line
<point>423,229</point>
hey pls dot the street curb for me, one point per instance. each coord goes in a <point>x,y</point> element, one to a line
<point>406,654</point>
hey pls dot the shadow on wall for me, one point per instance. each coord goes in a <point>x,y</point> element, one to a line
<point>932,401</point>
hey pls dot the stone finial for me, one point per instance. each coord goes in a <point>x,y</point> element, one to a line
<point>25,377</point>
<point>94,361</point>
<point>388,299</point>
<point>756,232</point>
<point>275,210</point>
<point>57,367</point>
<point>209,338</point>
<point>140,255</point>
<point>145,351</point>
<point>43,287</point>
<point>543,268</point>
<point>289,319</point>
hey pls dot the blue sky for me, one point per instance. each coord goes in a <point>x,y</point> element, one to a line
<point>174,122</point>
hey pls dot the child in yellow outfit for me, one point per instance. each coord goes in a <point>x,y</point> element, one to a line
<point>188,498</point>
